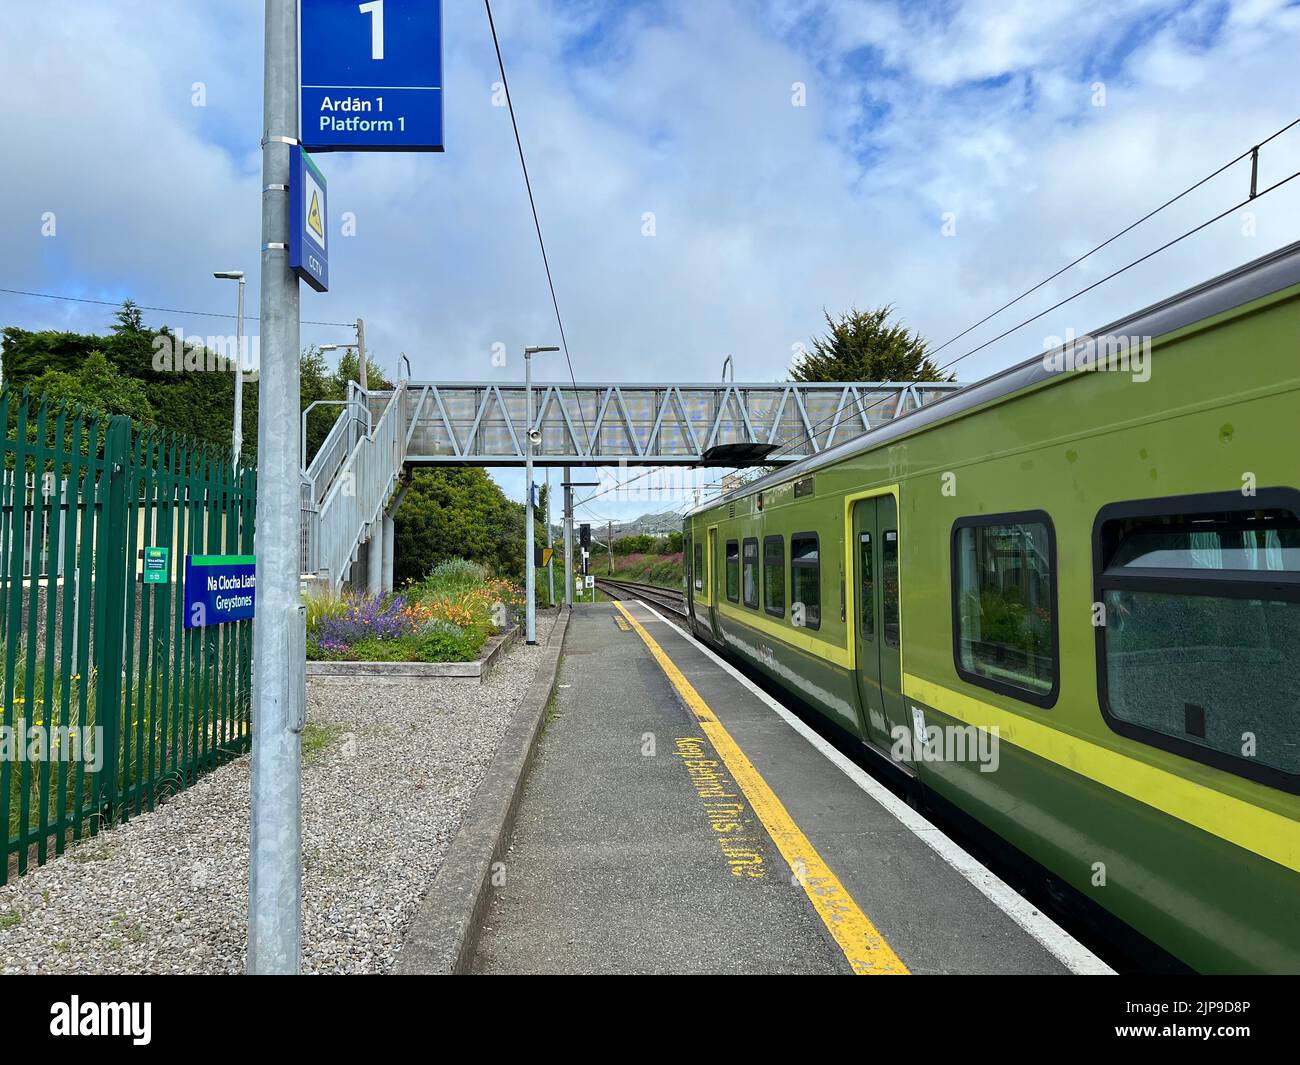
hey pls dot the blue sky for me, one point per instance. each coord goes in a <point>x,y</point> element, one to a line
<point>765,212</point>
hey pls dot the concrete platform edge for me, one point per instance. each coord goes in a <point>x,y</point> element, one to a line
<point>443,937</point>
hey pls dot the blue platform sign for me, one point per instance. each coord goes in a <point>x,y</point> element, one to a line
<point>371,75</point>
<point>308,221</point>
<point>219,589</point>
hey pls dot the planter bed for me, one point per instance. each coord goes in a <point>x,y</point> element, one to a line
<point>493,651</point>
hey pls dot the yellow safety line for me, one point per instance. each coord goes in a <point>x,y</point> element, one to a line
<point>866,949</point>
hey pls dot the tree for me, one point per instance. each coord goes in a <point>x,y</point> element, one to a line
<point>129,318</point>
<point>350,370</point>
<point>97,385</point>
<point>866,346</point>
<point>457,512</point>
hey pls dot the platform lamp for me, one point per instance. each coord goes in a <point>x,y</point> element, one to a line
<point>237,433</point>
<point>531,437</point>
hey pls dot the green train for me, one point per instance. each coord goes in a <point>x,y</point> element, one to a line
<point>1064,602</point>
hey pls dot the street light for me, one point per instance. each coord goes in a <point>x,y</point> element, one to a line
<point>361,363</point>
<point>237,433</point>
<point>361,352</point>
<point>533,436</point>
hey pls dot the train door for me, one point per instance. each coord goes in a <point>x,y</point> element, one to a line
<point>711,579</point>
<point>688,571</point>
<point>877,626</point>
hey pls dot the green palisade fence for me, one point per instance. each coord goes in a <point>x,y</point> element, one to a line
<point>91,653</point>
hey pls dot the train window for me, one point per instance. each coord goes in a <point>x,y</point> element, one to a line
<point>889,565</point>
<point>867,591</point>
<point>733,571</point>
<point>1199,603</point>
<point>774,576</point>
<point>805,580</point>
<point>750,576</point>
<point>1004,604</point>
<point>699,567</point>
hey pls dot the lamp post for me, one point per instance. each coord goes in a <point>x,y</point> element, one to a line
<point>530,576</point>
<point>361,362</point>
<point>361,352</point>
<point>237,433</point>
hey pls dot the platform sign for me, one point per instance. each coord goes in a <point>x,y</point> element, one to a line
<point>219,589</point>
<point>157,565</point>
<point>371,75</point>
<point>308,221</point>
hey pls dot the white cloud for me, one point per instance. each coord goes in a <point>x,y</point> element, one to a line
<point>764,212</point>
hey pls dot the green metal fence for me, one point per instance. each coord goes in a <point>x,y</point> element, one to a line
<point>110,703</point>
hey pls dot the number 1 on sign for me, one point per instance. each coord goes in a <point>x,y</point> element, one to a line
<point>375,9</point>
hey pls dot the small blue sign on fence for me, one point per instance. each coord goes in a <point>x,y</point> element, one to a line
<point>371,75</point>
<point>308,222</point>
<point>219,589</point>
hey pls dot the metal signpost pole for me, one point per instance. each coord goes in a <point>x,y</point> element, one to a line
<point>530,571</point>
<point>568,539</point>
<point>550,543</point>
<point>237,428</point>
<point>532,436</point>
<point>275,844</point>
<point>363,376</point>
<point>237,437</point>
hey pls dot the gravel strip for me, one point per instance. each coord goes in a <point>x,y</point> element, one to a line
<point>388,771</point>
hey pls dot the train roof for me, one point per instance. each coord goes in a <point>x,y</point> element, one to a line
<point>1254,280</point>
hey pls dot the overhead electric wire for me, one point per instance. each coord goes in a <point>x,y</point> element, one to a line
<point>160,310</point>
<point>1127,229</point>
<point>532,202</point>
<point>1083,291</point>
<point>1110,240</point>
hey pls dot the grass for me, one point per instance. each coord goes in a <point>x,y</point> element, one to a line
<point>157,748</point>
<point>10,920</point>
<point>662,570</point>
<point>317,739</point>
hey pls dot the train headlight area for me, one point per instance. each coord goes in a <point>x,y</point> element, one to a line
<point>678,819</point>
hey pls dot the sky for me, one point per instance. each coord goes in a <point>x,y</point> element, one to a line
<point>792,157</point>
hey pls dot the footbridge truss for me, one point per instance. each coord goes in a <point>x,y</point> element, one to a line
<point>352,485</point>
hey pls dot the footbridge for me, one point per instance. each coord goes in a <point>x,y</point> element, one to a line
<point>353,484</point>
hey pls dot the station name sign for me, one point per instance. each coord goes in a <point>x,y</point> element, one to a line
<point>371,76</point>
<point>219,589</point>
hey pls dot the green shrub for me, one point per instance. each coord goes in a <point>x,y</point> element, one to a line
<point>456,574</point>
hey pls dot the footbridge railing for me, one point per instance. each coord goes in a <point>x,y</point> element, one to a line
<point>486,424</point>
<point>350,480</point>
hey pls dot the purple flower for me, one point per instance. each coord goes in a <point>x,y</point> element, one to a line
<point>366,616</point>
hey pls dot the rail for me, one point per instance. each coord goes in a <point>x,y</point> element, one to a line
<point>667,598</point>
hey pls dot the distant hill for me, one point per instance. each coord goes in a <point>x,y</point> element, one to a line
<point>655,524</point>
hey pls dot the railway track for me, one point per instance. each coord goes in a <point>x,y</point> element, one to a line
<point>667,599</point>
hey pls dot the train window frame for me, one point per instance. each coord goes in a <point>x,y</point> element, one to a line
<point>1043,700</point>
<point>697,565</point>
<point>780,542</point>
<point>726,570</point>
<point>748,563</point>
<point>816,539</point>
<point>1187,582</point>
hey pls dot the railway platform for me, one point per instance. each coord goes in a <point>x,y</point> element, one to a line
<point>677,819</point>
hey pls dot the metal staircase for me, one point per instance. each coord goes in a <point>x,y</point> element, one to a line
<point>348,486</point>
